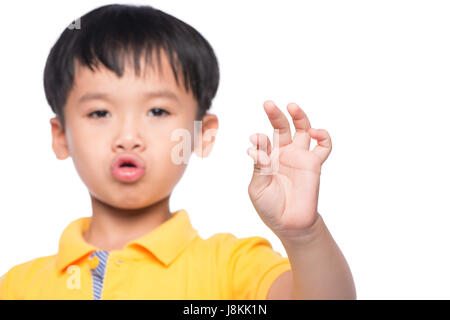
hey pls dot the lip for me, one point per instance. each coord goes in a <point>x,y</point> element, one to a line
<point>127,174</point>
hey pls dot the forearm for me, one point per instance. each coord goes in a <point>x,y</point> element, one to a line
<point>319,268</point>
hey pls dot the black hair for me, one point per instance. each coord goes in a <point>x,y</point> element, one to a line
<point>109,33</point>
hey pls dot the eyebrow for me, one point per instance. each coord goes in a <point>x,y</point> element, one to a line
<point>146,95</point>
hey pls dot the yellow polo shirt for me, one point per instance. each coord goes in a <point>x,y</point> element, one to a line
<point>170,262</point>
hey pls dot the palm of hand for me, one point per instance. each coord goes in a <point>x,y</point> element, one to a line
<point>285,183</point>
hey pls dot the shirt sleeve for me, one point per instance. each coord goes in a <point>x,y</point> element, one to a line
<point>251,266</point>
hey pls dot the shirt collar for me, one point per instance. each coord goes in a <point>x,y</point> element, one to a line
<point>165,242</point>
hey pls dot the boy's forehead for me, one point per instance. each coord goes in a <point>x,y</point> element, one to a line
<point>150,73</point>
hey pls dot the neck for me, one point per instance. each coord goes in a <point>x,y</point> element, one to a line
<point>112,228</point>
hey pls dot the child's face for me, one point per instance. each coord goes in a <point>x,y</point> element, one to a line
<point>127,124</point>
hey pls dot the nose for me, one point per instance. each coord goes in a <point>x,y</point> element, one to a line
<point>128,139</point>
<point>128,145</point>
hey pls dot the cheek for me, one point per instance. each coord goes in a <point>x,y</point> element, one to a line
<point>175,140</point>
<point>170,161</point>
<point>86,158</point>
<point>171,156</point>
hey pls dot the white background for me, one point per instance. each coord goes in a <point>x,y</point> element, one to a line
<point>375,74</point>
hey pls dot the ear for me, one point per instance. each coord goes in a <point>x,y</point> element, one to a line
<point>207,136</point>
<point>59,142</point>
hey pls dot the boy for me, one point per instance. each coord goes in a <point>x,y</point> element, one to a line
<point>118,125</point>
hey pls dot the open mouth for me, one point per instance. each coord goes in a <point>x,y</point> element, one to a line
<point>127,164</point>
<point>127,168</point>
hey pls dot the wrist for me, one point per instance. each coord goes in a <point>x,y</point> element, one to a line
<point>304,237</point>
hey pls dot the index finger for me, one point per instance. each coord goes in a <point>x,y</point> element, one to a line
<point>278,121</point>
<point>301,124</point>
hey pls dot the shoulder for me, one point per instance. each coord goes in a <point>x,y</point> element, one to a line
<point>250,265</point>
<point>229,244</point>
<point>235,253</point>
<point>226,239</point>
<point>21,273</point>
<point>226,249</point>
<point>32,265</point>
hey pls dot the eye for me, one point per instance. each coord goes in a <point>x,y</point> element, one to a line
<point>97,112</point>
<point>158,112</point>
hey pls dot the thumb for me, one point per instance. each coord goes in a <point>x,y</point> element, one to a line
<point>262,169</point>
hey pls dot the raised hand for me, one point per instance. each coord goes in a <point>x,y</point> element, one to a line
<point>284,188</point>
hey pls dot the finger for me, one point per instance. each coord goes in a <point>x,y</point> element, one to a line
<point>279,122</point>
<point>260,158</point>
<point>301,124</point>
<point>323,147</point>
<point>262,171</point>
<point>262,142</point>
